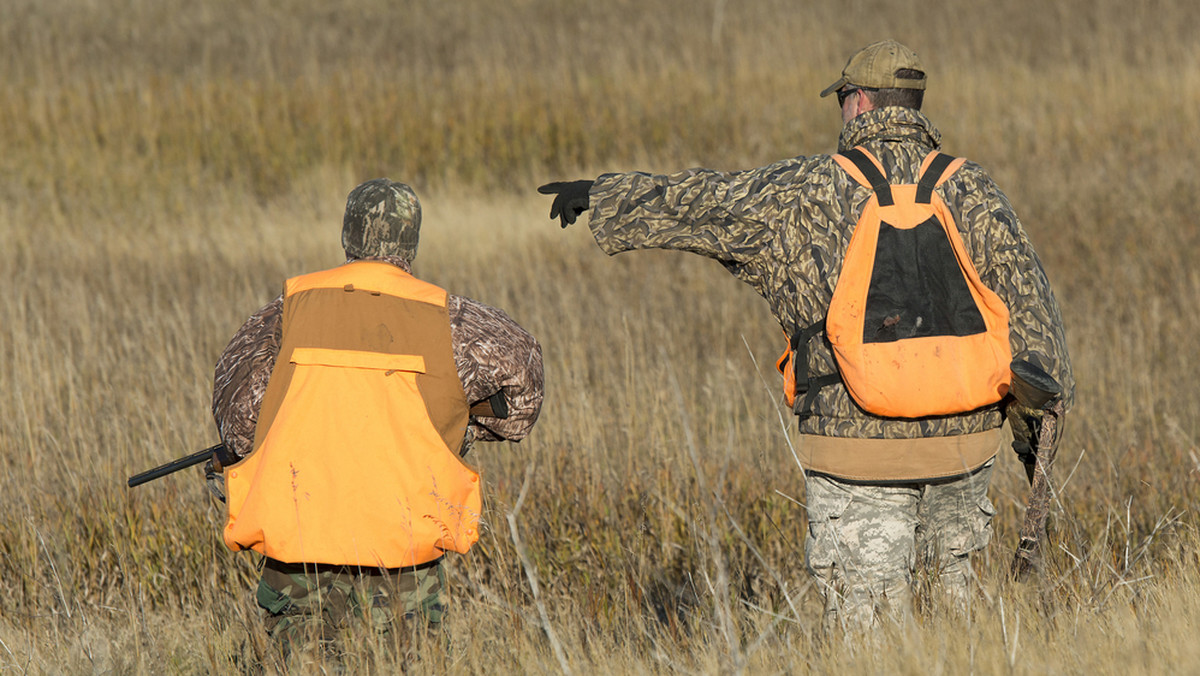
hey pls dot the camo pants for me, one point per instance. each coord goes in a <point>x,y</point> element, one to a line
<point>865,542</point>
<point>305,601</point>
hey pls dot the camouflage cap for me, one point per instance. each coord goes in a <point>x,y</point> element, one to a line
<point>383,218</point>
<point>875,66</point>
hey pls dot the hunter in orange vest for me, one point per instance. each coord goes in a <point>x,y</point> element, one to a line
<point>350,401</point>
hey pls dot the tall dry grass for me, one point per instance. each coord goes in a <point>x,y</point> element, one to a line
<point>166,164</point>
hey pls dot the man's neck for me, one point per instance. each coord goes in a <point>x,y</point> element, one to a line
<point>398,261</point>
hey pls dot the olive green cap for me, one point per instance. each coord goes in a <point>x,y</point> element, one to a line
<point>875,66</point>
<point>383,218</point>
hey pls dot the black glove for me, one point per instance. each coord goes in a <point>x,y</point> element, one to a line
<point>1025,424</point>
<point>570,199</point>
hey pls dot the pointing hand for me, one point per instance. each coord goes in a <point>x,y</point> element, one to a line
<point>570,199</point>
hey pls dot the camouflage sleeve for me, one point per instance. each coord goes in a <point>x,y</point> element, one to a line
<point>730,217</point>
<point>242,373</point>
<point>492,352</point>
<point>1008,265</point>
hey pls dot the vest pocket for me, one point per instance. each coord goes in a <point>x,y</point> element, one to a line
<point>379,361</point>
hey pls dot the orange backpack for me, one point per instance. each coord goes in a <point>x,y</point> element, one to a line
<point>913,329</point>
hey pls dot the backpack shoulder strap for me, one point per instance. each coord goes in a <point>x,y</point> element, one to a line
<point>935,169</point>
<point>862,167</point>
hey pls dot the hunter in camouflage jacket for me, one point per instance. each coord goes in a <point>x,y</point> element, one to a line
<point>784,229</point>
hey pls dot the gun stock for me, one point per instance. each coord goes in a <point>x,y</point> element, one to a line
<point>1036,389</point>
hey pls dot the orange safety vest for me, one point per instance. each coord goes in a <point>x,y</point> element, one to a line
<point>354,457</point>
<point>914,330</point>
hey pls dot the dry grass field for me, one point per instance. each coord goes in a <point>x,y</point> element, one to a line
<point>164,165</point>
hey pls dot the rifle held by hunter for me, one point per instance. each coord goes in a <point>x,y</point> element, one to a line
<point>1039,408</point>
<point>221,454</point>
<point>495,406</point>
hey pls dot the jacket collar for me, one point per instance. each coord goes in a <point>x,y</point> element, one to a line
<point>894,124</point>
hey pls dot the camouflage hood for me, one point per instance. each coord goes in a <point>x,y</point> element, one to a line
<point>383,218</point>
<point>895,124</point>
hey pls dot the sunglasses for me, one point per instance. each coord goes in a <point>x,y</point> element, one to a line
<point>845,93</point>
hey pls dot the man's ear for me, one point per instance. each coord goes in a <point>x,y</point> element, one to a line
<point>863,102</point>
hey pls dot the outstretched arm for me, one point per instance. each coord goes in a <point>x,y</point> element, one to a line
<point>711,213</point>
<point>734,218</point>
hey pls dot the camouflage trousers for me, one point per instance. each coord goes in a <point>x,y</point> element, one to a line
<point>867,541</point>
<point>302,602</point>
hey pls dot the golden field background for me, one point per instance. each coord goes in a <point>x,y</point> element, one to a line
<point>164,165</point>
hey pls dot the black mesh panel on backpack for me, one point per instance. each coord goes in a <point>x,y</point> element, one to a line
<point>917,288</point>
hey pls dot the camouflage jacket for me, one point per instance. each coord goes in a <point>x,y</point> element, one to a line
<point>784,228</point>
<point>491,352</point>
